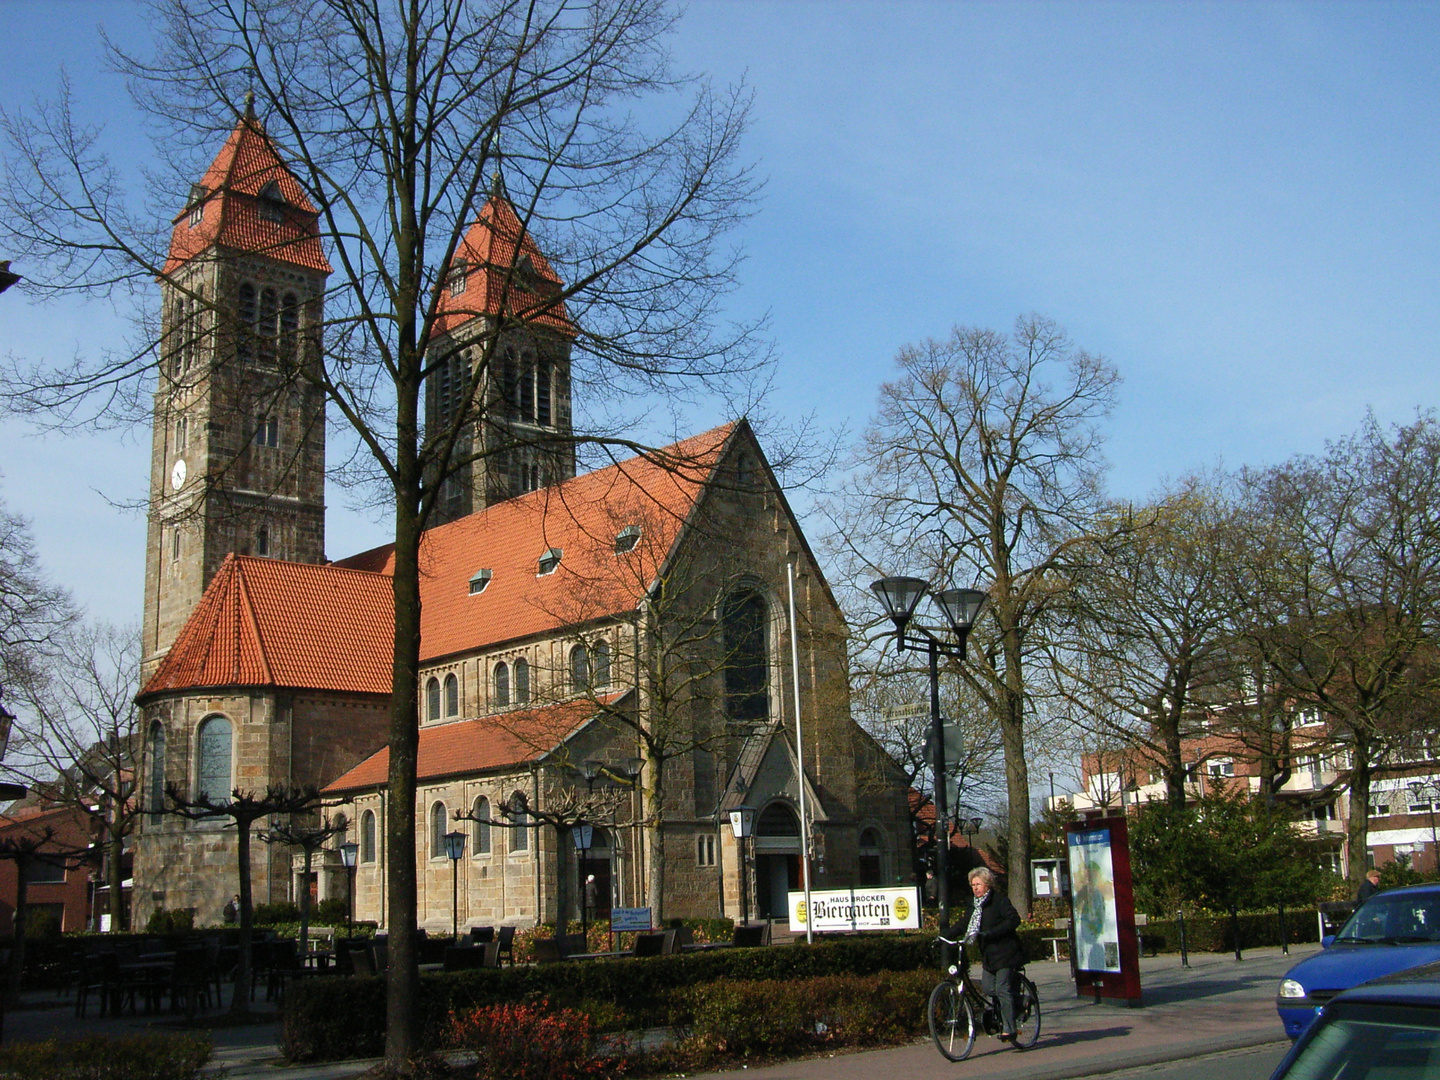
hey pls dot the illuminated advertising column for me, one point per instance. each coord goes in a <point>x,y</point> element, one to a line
<point>1107,952</point>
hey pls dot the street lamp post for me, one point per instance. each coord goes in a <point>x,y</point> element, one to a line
<point>631,770</point>
<point>1431,791</point>
<point>742,823</point>
<point>581,835</point>
<point>455,849</point>
<point>348,851</point>
<point>900,597</point>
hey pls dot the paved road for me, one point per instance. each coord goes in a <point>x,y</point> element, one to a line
<point>1215,1007</point>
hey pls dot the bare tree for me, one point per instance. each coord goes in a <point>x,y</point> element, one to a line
<point>1149,627</point>
<point>983,465</point>
<point>34,612</point>
<point>242,810</point>
<point>1343,551</point>
<point>395,130</point>
<point>77,737</point>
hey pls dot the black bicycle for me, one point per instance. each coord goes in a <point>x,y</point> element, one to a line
<point>958,1010</point>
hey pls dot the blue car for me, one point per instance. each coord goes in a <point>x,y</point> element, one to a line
<point>1388,1029</point>
<point>1390,932</point>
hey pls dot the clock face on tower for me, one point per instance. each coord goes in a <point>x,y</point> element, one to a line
<point>177,475</point>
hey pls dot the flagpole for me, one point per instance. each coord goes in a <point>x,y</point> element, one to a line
<point>800,751</point>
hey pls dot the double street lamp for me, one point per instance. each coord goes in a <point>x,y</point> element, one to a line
<point>348,851</point>
<point>961,607</point>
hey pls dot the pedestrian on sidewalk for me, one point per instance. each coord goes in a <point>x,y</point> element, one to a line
<point>990,923</point>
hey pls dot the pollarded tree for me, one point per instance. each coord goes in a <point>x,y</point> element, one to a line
<point>394,130</point>
<point>983,466</point>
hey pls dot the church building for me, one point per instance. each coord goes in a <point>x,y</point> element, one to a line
<point>612,649</point>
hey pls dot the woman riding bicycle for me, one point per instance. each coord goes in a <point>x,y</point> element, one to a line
<point>990,921</point>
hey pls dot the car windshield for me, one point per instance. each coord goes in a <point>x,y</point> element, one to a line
<point>1372,1042</point>
<point>1395,918</point>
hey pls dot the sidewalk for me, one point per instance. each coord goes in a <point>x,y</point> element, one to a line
<point>1215,1005</point>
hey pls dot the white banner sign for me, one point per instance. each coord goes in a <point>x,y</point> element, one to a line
<point>857,909</point>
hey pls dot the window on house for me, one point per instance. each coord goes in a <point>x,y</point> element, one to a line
<point>265,325</point>
<point>452,695</point>
<point>747,691</point>
<point>550,560</point>
<point>522,681</point>
<point>600,665</point>
<point>1220,767</point>
<point>267,431</point>
<point>480,827</point>
<point>289,328</point>
<point>182,433</point>
<point>432,699</point>
<point>197,204</point>
<point>367,836</point>
<point>458,278</point>
<point>580,668</point>
<point>1381,809</point>
<point>480,581</point>
<point>44,871</point>
<point>245,317</point>
<point>626,539</point>
<point>502,684</point>
<point>175,544</point>
<point>519,821</point>
<point>527,391</point>
<point>705,850</point>
<point>213,751</point>
<point>156,801</point>
<point>439,826</point>
<point>510,383</point>
<point>1325,812</point>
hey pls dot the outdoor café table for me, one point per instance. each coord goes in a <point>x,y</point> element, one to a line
<point>705,946</point>
<point>598,955</point>
<point>319,959</point>
<point>149,975</point>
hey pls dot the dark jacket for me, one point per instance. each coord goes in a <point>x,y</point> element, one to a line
<point>1000,945</point>
<point>1367,889</point>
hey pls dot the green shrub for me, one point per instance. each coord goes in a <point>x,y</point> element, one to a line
<point>328,1019</point>
<point>171,922</point>
<point>95,1057</point>
<point>328,912</point>
<point>270,914</point>
<point>42,924</point>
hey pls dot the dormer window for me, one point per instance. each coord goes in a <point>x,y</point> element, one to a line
<point>626,539</point>
<point>479,581</point>
<point>197,203</point>
<point>272,203</point>
<point>549,561</point>
<point>458,277</point>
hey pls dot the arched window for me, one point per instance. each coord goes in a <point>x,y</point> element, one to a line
<point>452,695</point>
<point>245,318</point>
<point>156,800</point>
<point>432,699</point>
<point>522,681</point>
<point>747,691</point>
<point>580,668</point>
<point>367,836</point>
<point>212,769</point>
<point>600,665</point>
<point>265,324</point>
<point>439,826</point>
<point>519,820</point>
<point>480,827</point>
<point>870,858</point>
<point>502,684</point>
<point>777,819</point>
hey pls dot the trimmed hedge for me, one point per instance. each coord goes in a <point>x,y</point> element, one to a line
<point>95,1057</point>
<point>329,1019</point>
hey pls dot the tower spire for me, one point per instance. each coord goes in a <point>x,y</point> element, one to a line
<point>250,105</point>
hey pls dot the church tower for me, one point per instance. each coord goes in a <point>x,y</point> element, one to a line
<point>504,329</point>
<point>238,452</point>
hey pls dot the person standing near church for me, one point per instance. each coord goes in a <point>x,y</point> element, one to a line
<point>231,914</point>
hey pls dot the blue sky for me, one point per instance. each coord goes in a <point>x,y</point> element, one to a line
<point>1235,203</point>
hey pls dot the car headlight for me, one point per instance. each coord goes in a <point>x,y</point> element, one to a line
<point>1289,988</point>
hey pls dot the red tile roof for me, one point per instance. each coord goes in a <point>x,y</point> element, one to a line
<point>491,742</point>
<point>263,622</point>
<point>581,517</point>
<point>231,212</point>
<point>490,253</point>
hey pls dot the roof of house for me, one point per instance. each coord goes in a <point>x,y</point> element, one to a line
<point>231,206</point>
<point>263,622</point>
<point>581,518</point>
<point>488,742</point>
<point>503,270</point>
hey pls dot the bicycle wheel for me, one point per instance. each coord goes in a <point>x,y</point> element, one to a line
<point>952,1023</point>
<point>1027,1014</point>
